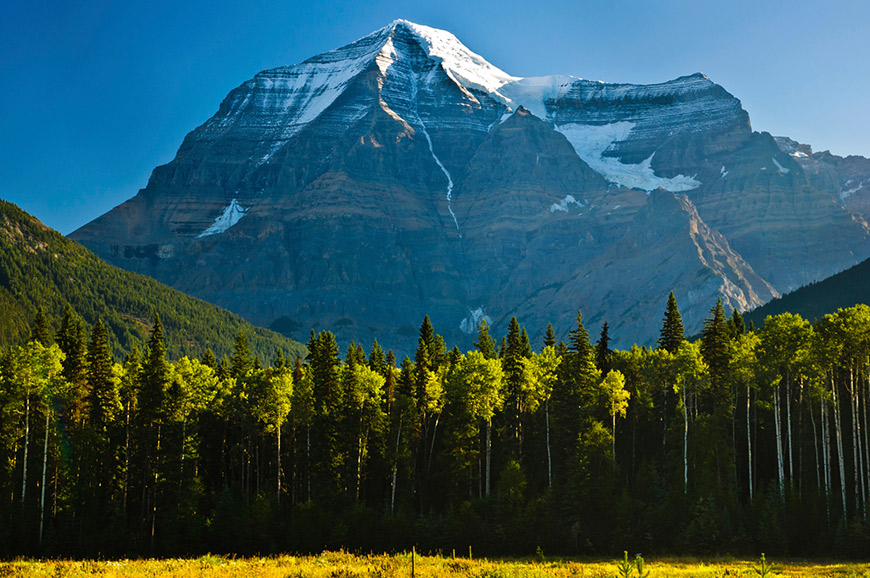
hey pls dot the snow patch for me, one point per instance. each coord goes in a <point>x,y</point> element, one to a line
<point>723,172</point>
<point>470,323</point>
<point>851,191</point>
<point>781,168</point>
<point>799,155</point>
<point>230,216</point>
<point>562,206</point>
<point>592,141</point>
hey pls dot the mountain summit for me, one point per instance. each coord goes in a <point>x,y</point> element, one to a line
<point>404,175</point>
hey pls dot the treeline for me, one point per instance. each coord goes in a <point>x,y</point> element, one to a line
<point>743,441</point>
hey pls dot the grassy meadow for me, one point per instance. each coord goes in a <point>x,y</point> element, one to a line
<point>343,565</point>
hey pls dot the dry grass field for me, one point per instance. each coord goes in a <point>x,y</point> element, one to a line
<point>343,565</point>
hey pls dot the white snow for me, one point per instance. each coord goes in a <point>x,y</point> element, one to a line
<point>723,172</point>
<point>781,168</point>
<point>466,68</point>
<point>592,141</point>
<point>414,81</point>
<point>230,216</point>
<point>562,206</point>
<point>799,155</point>
<point>851,191</point>
<point>470,323</point>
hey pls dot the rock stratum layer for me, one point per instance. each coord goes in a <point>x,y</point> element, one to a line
<point>403,175</point>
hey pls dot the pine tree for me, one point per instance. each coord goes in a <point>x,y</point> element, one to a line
<point>512,365</point>
<point>377,361</point>
<point>550,336</point>
<point>714,349</point>
<point>209,359</point>
<point>41,331</point>
<point>103,401</point>
<point>485,342</point>
<point>603,351</point>
<point>279,362</point>
<point>241,361</point>
<point>672,334</point>
<point>736,325</point>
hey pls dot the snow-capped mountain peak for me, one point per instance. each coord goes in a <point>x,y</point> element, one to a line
<point>466,68</point>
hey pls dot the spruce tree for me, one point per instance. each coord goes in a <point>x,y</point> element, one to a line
<point>736,325</point>
<point>485,342</point>
<point>41,331</point>
<point>672,333</point>
<point>103,401</point>
<point>603,351</point>
<point>377,362</point>
<point>241,361</point>
<point>715,351</point>
<point>209,359</point>
<point>550,336</point>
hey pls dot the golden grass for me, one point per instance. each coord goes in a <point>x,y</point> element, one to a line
<point>342,565</point>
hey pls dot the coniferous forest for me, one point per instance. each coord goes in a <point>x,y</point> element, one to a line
<point>746,440</point>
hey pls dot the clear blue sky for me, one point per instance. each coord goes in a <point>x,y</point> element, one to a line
<point>95,94</point>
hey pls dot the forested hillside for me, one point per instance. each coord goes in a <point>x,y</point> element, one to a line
<point>740,442</point>
<point>40,268</point>
<point>844,289</point>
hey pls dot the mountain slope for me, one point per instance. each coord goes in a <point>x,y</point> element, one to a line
<point>403,175</point>
<point>40,267</point>
<point>845,289</point>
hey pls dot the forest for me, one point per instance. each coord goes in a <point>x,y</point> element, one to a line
<point>743,441</point>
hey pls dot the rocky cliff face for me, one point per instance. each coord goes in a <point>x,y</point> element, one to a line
<point>403,175</point>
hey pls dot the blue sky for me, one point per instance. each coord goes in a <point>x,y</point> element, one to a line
<point>94,96</point>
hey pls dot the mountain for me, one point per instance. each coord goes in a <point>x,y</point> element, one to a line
<point>404,175</point>
<point>40,267</point>
<point>845,289</point>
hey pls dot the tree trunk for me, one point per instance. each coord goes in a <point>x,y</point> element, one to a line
<point>126,457</point>
<point>395,466</point>
<point>788,424</point>
<point>488,453</point>
<point>856,458</point>
<point>278,443</point>
<point>840,457</point>
<point>26,445</point>
<point>308,462</point>
<point>778,428</point>
<point>816,447</point>
<point>685,443</point>
<point>748,443</point>
<point>866,441</point>
<point>154,502</point>
<point>42,486</point>
<point>549,453</point>
<point>432,445</point>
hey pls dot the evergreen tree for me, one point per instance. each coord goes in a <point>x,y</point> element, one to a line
<point>672,334</point>
<point>550,336</point>
<point>279,362</point>
<point>209,359</point>
<point>512,365</point>
<point>41,331</point>
<point>377,361</point>
<point>241,361</point>
<point>103,401</point>
<point>603,351</point>
<point>715,350</point>
<point>485,342</point>
<point>736,325</point>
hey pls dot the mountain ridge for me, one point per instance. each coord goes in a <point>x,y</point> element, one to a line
<point>385,205</point>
